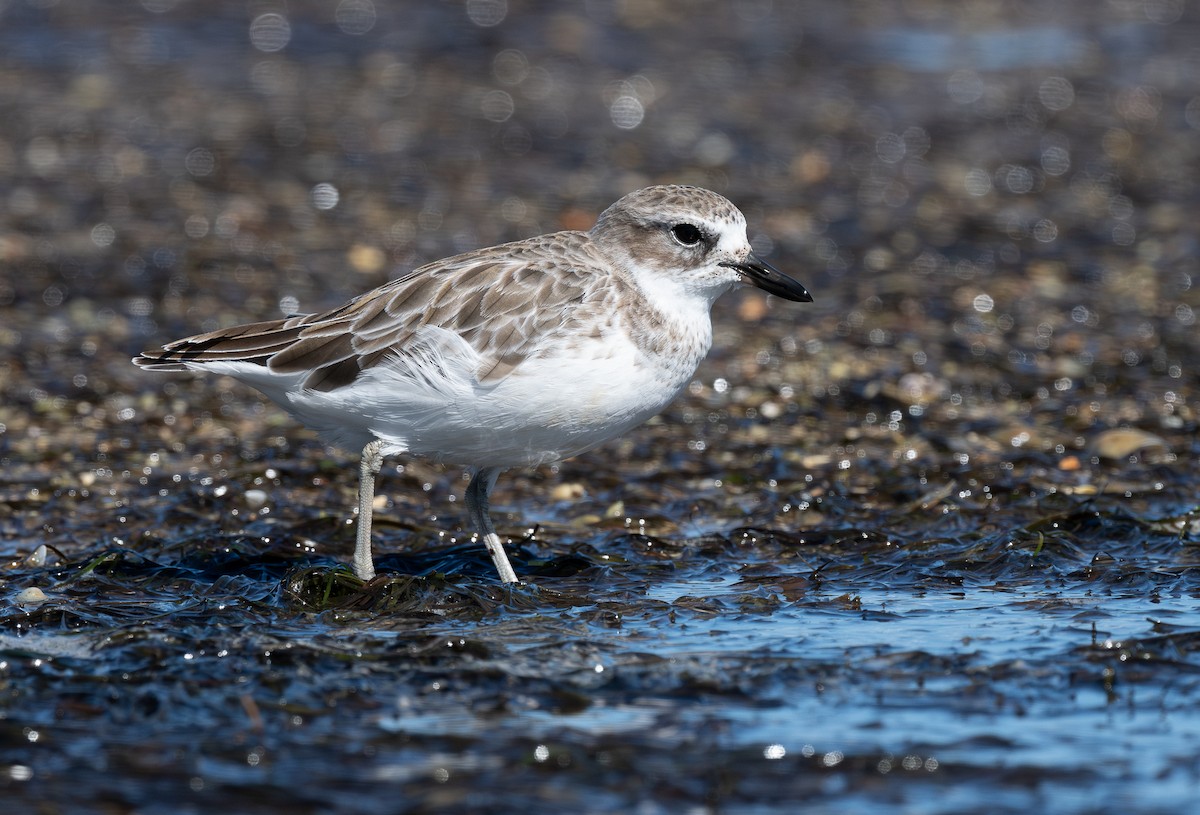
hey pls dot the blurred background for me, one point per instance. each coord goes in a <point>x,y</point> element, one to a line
<point>981,433</point>
<point>1008,183</point>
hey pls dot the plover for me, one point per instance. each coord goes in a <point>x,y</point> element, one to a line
<point>515,355</point>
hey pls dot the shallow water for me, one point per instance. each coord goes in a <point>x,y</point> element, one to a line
<point>758,682</point>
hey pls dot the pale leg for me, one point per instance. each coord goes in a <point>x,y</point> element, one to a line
<point>477,507</point>
<point>372,462</point>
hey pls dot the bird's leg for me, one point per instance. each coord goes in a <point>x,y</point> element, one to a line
<point>371,463</point>
<point>477,507</point>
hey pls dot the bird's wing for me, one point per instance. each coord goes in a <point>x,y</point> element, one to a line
<point>503,302</point>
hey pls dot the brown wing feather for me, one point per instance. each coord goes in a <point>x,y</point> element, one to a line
<point>503,303</point>
<point>252,342</point>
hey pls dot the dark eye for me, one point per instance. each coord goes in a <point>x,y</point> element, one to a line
<point>687,234</point>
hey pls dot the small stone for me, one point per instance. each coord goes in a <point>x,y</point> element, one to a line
<point>753,308</point>
<point>366,259</point>
<point>1123,442</point>
<point>567,492</point>
<point>30,597</point>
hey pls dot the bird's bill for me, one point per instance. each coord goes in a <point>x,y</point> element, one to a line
<point>758,272</point>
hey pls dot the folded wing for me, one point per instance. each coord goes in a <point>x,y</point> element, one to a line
<point>503,302</point>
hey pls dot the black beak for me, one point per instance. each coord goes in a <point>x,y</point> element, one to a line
<point>762,274</point>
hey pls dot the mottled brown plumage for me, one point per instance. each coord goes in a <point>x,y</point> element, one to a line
<point>517,354</point>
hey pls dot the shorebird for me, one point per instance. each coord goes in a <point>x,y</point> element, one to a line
<point>514,355</point>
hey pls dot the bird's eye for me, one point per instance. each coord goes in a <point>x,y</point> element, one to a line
<point>686,234</point>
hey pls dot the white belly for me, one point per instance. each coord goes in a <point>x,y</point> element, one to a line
<point>548,408</point>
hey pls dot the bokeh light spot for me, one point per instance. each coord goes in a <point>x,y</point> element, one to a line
<point>270,32</point>
<point>626,112</point>
<point>324,196</point>
<point>355,17</point>
<point>497,106</point>
<point>487,13</point>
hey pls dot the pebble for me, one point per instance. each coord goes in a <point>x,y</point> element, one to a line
<point>30,597</point>
<point>1123,442</point>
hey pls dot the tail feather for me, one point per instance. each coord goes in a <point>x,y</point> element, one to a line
<point>299,344</point>
<point>254,342</point>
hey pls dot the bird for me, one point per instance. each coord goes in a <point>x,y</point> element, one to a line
<point>514,355</point>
